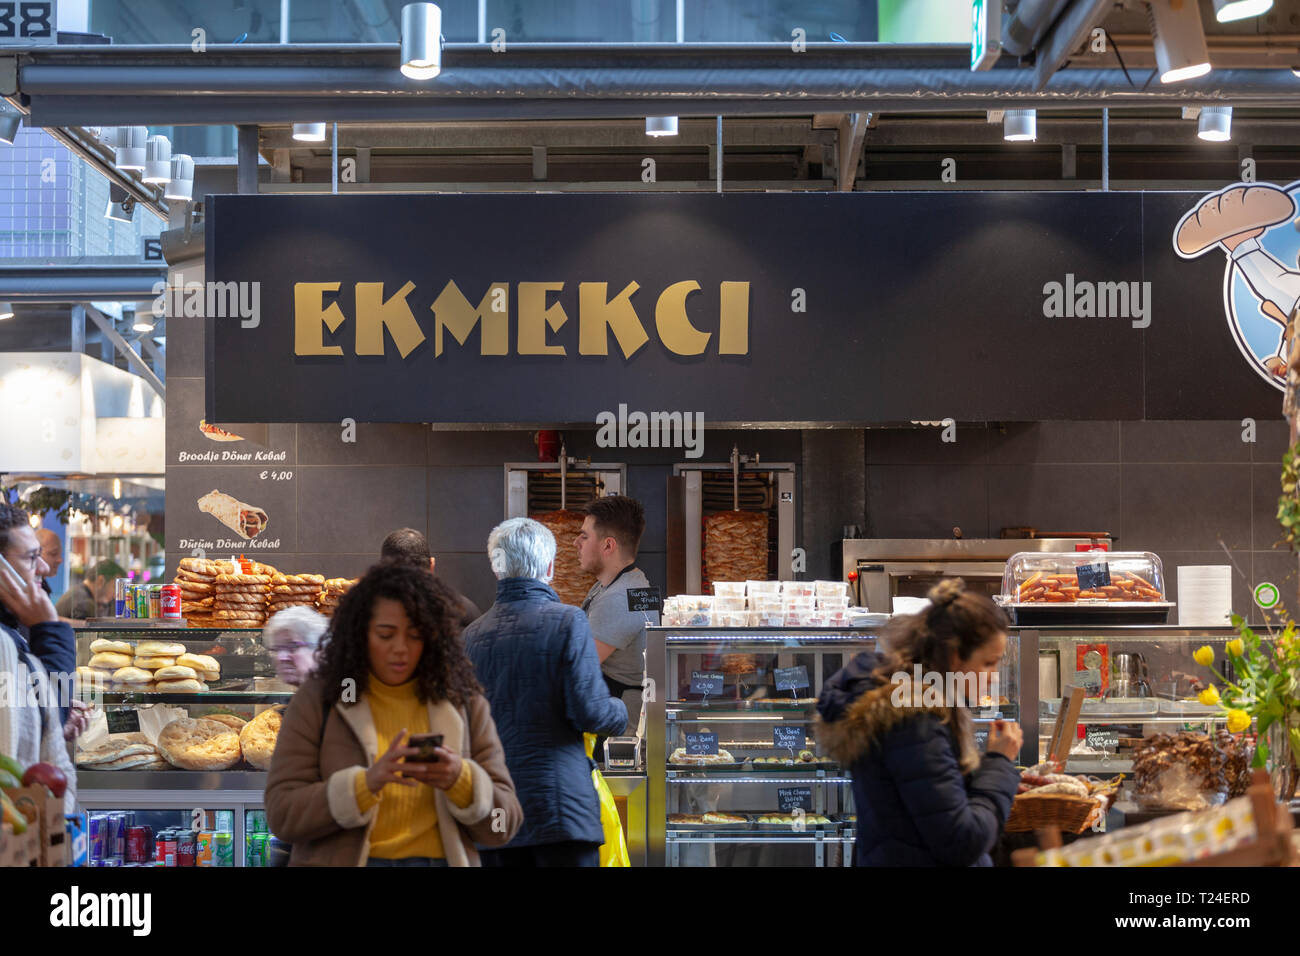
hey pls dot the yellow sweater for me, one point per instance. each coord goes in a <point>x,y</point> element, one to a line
<point>407,823</point>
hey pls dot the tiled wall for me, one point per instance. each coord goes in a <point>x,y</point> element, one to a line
<point>1185,490</point>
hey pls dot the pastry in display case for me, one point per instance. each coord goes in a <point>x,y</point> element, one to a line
<point>182,718</point>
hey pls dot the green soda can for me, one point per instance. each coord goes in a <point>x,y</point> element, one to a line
<point>223,849</point>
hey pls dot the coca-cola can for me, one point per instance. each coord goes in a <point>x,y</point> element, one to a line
<point>139,844</point>
<point>185,849</point>
<point>171,600</point>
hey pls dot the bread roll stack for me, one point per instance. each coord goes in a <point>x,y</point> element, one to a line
<point>332,593</point>
<point>240,599</point>
<point>197,579</point>
<point>294,590</point>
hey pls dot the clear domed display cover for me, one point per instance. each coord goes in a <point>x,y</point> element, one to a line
<point>1085,578</point>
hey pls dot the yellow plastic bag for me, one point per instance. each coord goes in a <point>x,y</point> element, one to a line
<point>614,850</point>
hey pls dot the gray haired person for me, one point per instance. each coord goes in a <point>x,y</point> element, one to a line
<point>293,636</point>
<point>536,660</point>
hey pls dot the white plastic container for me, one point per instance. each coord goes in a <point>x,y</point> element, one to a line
<point>729,589</point>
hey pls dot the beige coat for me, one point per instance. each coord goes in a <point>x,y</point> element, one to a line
<point>310,793</point>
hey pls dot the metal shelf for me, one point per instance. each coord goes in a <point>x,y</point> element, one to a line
<point>198,697</point>
<point>782,776</point>
<point>164,780</point>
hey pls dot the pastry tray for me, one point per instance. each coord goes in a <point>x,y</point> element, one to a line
<point>789,827</point>
<point>1088,613</point>
<point>712,826</point>
<point>1122,707</point>
<point>795,765</point>
<point>707,767</point>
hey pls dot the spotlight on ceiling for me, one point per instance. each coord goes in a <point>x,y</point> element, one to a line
<point>142,322</point>
<point>1225,11</point>
<point>6,311</point>
<point>121,204</point>
<point>661,125</point>
<point>158,160</point>
<point>181,183</point>
<point>1019,126</point>
<point>1215,124</point>
<point>10,120</point>
<point>1179,38</point>
<point>421,41</point>
<point>309,132</point>
<point>132,141</point>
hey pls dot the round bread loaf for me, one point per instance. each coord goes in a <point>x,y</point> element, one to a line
<point>230,720</point>
<point>132,675</point>
<point>199,744</point>
<point>257,739</point>
<point>210,675</point>
<point>111,659</point>
<point>105,646</point>
<point>200,662</point>
<point>159,649</point>
<point>116,747</point>
<point>176,672</point>
<point>187,686</point>
<point>154,662</point>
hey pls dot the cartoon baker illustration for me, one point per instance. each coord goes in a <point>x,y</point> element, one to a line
<point>1233,219</point>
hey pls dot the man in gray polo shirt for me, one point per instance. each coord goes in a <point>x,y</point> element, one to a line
<point>607,547</point>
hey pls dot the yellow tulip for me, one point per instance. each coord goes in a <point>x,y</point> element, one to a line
<point>1208,697</point>
<point>1204,655</point>
<point>1238,720</point>
<point>1236,648</point>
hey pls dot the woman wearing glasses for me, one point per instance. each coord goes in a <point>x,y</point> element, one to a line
<point>293,636</point>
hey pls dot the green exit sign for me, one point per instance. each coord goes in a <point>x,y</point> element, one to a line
<point>986,33</point>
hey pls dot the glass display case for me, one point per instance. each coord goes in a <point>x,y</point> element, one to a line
<point>158,795</point>
<point>736,775</point>
<point>1139,681</point>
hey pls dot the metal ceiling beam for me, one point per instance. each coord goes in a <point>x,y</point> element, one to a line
<point>75,283</point>
<point>620,186</point>
<point>948,132</point>
<point>235,84</point>
<point>133,358</point>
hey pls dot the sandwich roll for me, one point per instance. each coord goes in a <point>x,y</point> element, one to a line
<point>175,672</point>
<point>104,646</point>
<point>159,649</point>
<point>152,663</point>
<point>132,675</point>
<point>110,659</point>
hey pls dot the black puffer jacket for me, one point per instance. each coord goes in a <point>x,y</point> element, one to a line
<point>915,806</point>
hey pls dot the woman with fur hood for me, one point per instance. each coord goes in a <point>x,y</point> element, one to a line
<point>898,718</point>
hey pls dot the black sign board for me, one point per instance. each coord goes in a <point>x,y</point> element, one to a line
<point>644,599</point>
<point>153,250</point>
<point>982,738</point>
<point>1095,575</point>
<point>706,683</point>
<point>701,744</point>
<point>388,320</point>
<point>794,798</point>
<point>790,678</point>
<point>123,721</point>
<point>1099,739</point>
<point>789,738</point>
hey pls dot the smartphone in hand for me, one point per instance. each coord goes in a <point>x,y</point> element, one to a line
<point>426,744</point>
<point>7,568</point>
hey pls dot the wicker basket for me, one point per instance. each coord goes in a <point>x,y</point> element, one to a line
<point>1058,811</point>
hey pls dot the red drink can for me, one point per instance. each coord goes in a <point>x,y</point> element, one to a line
<point>160,847</point>
<point>169,851</point>
<point>185,849</point>
<point>171,600</point>
<point>138,844</point>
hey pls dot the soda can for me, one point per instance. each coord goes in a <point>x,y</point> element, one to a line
<point>225,821</point>
<point>203,849</point>
<point>114,838</point>
<point>256,853</point>
<point>169,848</point>
<point>119,597</point>
<point>139,843</point>
<point>185,849</point>
<point>97,828</point>
<point>155,601</point>
<point>223,848</point>
<point>171,601</point>
<point>128,599</point>
<point>160,846</point>
<point>256,821</point>
<point>142,601</point>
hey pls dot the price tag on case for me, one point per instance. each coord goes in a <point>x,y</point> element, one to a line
<point>982,739</point>
<point>788,738</point>
<point>640,600</point>
<point>790,678</point>
<point>1101,739</point>
<point>1091,576</point>
<point>706,683</point>
<point>791,798</point>
<point>699,745</point>
<point>123,721</point>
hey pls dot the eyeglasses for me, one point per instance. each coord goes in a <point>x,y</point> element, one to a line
<point>286,648</point>
<point>33,558</point>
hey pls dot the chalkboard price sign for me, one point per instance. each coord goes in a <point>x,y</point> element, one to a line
<point>982,739</point>
<point>1102,739</point>
<point>123,721</point>
<point>644,599</point>
<point>790,678</point>
<point>706,683</point>
<point>698,745</point>
<point>1093,575</point>
<point>792,798</point>
<point>788,738</point>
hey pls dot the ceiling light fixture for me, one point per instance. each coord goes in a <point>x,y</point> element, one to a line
<point>1225,11</point>
<point>158,160</point>
<point>1179,38</point>
<point>131,144</point>
<point>309,132</point>
<point>143,321</point>
<point>661,125</point>
<point>121,204</point>
<point>421,41</point>
<point>181,184</point>
<point>1214,124</point>
<point>1019,126</point>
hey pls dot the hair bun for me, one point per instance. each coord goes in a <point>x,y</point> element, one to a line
<point>946,591</point>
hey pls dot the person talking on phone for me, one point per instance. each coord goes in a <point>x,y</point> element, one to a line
<point>924,794</point>
<point>387,754</point>
<point>33,725</point>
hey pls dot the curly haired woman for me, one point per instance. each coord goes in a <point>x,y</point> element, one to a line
<point>343,787</point>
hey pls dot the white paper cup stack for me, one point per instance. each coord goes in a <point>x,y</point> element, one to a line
<point>1205,595</point>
